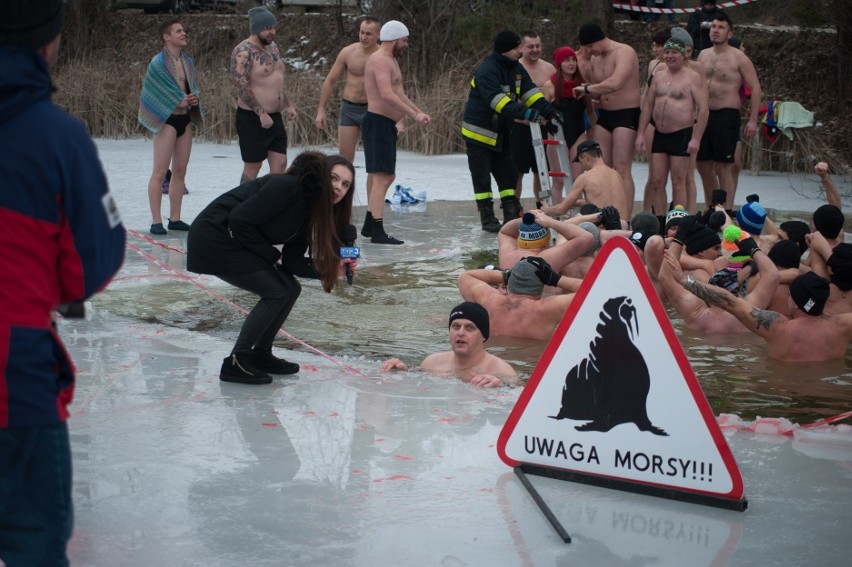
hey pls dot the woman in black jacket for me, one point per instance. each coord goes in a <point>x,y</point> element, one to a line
<point>235,238</point>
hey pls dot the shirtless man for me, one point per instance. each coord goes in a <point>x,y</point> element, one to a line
<point>386,105</point>
<point>806,336</point>
<point>614,79</point>
<point>468,360</point>
<point>710,317</point>
<point>257,72</point>
<point>599,183</point>
<point>726,68</point>
<point>677,101</point>
<point>518,308</point>
<point>540,72</point>
<point>353,105</point>
<point>530,236</point>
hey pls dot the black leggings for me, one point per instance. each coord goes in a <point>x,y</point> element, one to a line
<point>278,291</point>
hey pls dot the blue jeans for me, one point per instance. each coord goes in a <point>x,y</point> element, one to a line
<point>36,515</point>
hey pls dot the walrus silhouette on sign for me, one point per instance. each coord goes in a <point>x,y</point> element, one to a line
<point>610,386</point>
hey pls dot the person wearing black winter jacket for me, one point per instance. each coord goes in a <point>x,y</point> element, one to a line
<point>699,25</point>
<point>501,93</point>
<point>235,238</point>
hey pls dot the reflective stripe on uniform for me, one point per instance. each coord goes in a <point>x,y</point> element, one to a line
<point>482,135</point>
<point>507,193</point>
<point>531,96</point>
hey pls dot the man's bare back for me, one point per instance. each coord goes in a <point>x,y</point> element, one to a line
<point>603,186</point>
<point>521,316</point>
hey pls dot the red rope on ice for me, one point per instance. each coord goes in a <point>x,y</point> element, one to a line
<point>646,10</point>
<point>191,280</point>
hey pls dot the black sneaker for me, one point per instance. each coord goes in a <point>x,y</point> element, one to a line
<point>178,225</point>
<point>265,361</point>
<point>157,228</point>
<point>385,239</point>
<point>242,371</point>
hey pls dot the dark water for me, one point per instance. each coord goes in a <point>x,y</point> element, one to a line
<point>401,300</point>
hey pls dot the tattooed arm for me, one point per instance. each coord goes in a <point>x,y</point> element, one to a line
<point>758,321</point>
<point>240,71</point>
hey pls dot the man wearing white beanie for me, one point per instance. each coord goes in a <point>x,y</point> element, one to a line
<point>387,107</point>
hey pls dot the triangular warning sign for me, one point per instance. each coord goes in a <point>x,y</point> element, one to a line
<point>614,398</point>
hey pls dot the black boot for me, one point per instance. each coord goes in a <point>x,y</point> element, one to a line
<point>241,371</point>
<point>511,208</point>
<point>486,215</point>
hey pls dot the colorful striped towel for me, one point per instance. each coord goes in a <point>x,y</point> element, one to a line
<point>161,92</point>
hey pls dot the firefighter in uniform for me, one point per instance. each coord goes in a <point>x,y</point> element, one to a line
<point>500,93</point>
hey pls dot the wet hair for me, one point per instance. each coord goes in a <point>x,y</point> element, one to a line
<point>166,27</point>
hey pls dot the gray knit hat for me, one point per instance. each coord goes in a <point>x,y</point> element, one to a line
<point>30,23</point>
<point>259,19</point>
<point>523,281</point>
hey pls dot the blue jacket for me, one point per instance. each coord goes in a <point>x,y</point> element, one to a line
<point>61,238</point>
<point>500,91</point>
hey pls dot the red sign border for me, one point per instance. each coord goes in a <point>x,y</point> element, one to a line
<point>623,244</point>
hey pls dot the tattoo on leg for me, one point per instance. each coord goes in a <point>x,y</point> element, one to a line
<point>764,318</point>
<point>711,297</point>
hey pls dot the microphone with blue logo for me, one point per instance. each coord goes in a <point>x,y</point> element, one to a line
<point>349,250</point>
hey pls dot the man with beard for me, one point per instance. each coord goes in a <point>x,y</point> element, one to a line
<point>386,105</point>
<point>726,68</point>
<point>257,72</point>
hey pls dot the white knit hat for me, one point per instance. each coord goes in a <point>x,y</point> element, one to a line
<point>393,30</point>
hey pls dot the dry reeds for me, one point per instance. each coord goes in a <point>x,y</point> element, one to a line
<point>108,106</point>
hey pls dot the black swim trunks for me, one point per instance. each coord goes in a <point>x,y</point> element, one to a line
<point>623,118</point>
<point>179,122</point>
<point>255,140</point>
<point>522,149</point>
<point>674,143</point>
<point>378,134</point>
<point>719,142</point>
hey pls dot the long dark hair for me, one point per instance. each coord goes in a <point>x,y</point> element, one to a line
<point>313,169</point>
